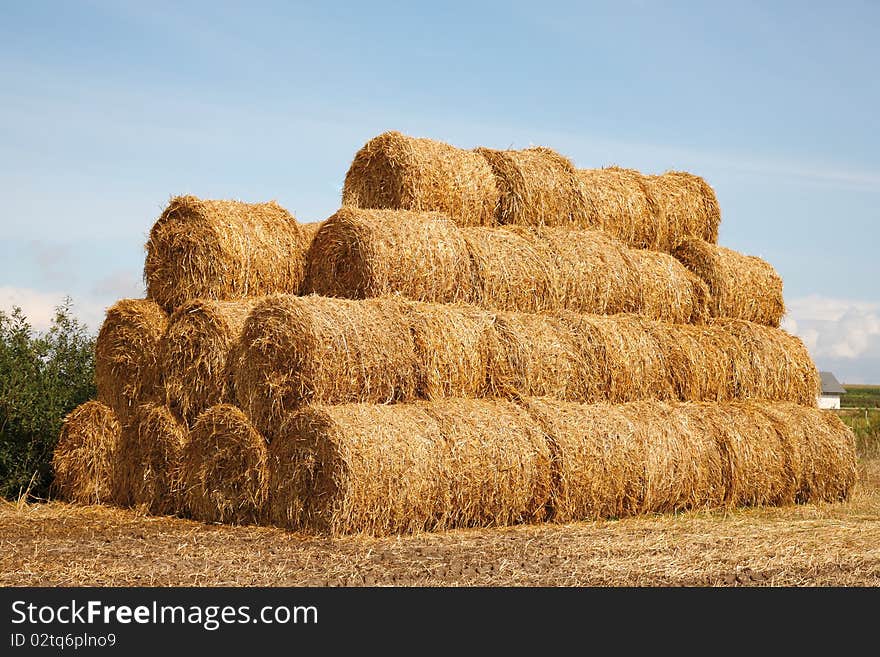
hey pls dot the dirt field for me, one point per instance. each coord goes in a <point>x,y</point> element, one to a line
<point>835,544</point>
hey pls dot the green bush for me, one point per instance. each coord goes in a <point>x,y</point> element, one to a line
<point>43,376</point>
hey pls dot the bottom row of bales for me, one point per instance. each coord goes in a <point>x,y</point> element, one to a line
<point>426,466</point>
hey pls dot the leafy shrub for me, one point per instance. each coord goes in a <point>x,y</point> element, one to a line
<point>43,376</point>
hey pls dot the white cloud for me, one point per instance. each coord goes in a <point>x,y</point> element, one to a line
<point>843,335</point>
<point>39,307</point>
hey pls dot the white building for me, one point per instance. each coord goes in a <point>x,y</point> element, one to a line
<point>831,391</point>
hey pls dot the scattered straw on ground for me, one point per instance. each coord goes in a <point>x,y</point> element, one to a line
<point>817,544</point>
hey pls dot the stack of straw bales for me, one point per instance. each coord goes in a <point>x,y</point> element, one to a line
<point>476,338</point>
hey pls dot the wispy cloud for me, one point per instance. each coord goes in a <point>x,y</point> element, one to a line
<point>842,334</point>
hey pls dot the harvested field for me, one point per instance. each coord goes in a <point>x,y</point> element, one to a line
<point>806,545</point>
<point>206,249</point>
<point>393,171</point>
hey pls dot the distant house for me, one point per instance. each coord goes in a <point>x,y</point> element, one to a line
<point>831,391</point>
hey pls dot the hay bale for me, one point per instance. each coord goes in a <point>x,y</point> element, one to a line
<point>513,270</point>
<point>623,207</point>
<point>619,358</point>
<point>309,231</point>
<point>299,350</point>
<point>393,171</point>
<point>454,346</point>
<point>617,460</point>
<point>147,463</point>
<point>769,363</point>
<point>357,468</point>
<point>823,450</point>
<point>127,372</point>
<point>197,354</point>
<point>360,468</point>
<point>667,291</point>
<point>205,249</point>
<point>757,463</point>
<point>538,187</point>
<point>686,206</point>
<point>537,355</point>
<point>740,286</point>
<point>599,274</point>
<point>84,455</point>
<point>224,469</point>
<point>497,463</point>
<point>370,253</point>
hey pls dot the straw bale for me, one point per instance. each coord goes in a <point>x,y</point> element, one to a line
<point>687,207</point>
<point>538,187</point>
<point>127,371</point>
<point>224,469</point>
<point>394,171</point>
<point>198,351</point>
<point>146,472</point>
<point>370,253</point>
<point>207,249</point>
<point>84,455</point>
<point>740,286</point>
<point>299,350</point>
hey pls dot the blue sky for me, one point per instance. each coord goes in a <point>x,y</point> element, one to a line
<point>109,108</point>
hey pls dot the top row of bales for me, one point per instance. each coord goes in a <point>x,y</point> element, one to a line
<point>227,250</point>
<point>532,187</point>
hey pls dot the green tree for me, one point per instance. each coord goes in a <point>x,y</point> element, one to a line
<point>43,376</point>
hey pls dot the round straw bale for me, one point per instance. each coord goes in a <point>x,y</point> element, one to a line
<point>370,253</point>
<point>621,360</point>
<point>687,207</point>
<point>825,464</point>
<point>147,468</point>
<point>514,270</point>
<point>197,353</point>
<point>756,462</point>
<point>298,350</point>
<point>358,468</point>
<point>623,207</point>
<point>309,231</point>
<point>740,286</point>
<point>537,355</point>
<point>126,355</point>
<point>770,364</point>
<point>84,457</point>
<point>683,464</point>
<point>393,171</point>
<point>594,460</point>
<point>667,291</point>
<point>224,469</point>
<point>538,187</point>
<point>497,463</point>
<point>201,249</point>
<point>698,359</point>
<point>454,346</point>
